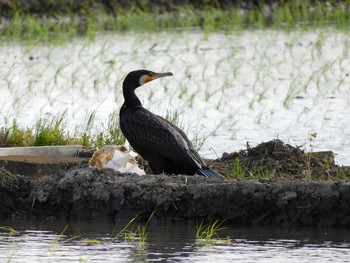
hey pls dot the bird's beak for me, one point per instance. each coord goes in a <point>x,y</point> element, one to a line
<point>158,76</point>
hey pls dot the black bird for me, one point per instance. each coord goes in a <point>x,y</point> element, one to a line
<point>165,147</point>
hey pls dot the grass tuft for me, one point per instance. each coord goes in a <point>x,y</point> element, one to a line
<point>209,233</point>
<point>53,131</point>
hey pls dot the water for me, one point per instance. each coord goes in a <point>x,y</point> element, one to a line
<point>250,86</point>
<point>34,242</point>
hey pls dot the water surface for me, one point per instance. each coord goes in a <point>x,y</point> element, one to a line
<point>230,89</point>
<point>89,242</point>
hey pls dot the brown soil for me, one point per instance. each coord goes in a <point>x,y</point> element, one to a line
<point>66,188</point>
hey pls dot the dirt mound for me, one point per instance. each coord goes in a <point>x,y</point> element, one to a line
<point>275,159</point>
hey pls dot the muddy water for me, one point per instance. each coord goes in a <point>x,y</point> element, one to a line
<point>172,243</point>
<point>251,86</point>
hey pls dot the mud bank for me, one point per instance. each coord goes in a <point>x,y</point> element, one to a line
<point>301,189</point>
<point>105,195</point>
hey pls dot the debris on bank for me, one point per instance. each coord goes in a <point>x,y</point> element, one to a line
<point>118,158</point>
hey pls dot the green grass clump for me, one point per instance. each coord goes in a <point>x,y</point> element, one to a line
<point>237,170</point>
<point>53,131</point>
<point>14,136</point>
<point>209,232</point>
<point>131,235</point>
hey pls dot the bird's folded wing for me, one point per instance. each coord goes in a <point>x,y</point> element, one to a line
<point>157,134</point>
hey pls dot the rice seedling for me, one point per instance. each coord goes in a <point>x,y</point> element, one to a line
<point>123,230</point>
<point>54,242</point>
<point>11,250</point>
<point>142,231</point>
<point>130,235</point>
<point>26,26</point>
<point>8,230</point>
<point>208,233</point>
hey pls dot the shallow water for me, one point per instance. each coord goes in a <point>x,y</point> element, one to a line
<point>235,88</point>
<point>34,242</point>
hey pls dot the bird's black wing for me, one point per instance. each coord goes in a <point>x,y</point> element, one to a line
<point>145,130</point>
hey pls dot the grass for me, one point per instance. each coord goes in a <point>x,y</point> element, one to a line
<point>131,235</point>
<point>209,233</point>
<point>53,245</point>
<point>53,131</point>
<point>62,26</point>
<point>237,170</point>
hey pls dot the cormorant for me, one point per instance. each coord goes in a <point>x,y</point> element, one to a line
<point>165,147</point>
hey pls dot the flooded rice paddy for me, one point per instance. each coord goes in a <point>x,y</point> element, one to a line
<point>230,89</point>
<point>90,242</point>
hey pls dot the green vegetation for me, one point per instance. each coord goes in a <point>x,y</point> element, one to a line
<point>237,170</point>
<point>131,235</point>
<point>53,131</point>
<point>209,233</point>
<point>54,242</point>
<point>8,230</point>
<point>65,23</point>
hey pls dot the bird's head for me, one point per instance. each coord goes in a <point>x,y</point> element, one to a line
<point>140,77</point>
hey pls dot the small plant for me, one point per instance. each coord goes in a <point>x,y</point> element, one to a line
<point>54,242</point>
<point>123,231</point>
<point>15,136</point>
<point>261,173</point>
<point>209,233</point>
<point>51,131</point>
<point>309,154</point>
<point>9,230</point>
<point>237,170</point>
<point>131,235</point>
<point>141,230</point>
<point>113,134</point>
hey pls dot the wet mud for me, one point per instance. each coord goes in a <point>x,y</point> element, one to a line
<point>76,192</point>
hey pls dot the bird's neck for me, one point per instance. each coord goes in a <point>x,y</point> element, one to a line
<point>131,100</point>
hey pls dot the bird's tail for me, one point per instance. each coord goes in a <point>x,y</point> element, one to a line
<point>205,171</point>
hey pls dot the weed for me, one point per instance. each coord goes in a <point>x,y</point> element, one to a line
<point>261,173</point>
<point>15,136</point>
<point>51,131</point>
<point>237,170</point>
<point>308,156</point>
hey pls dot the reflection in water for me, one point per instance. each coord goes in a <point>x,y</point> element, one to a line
<point>90,242</point>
